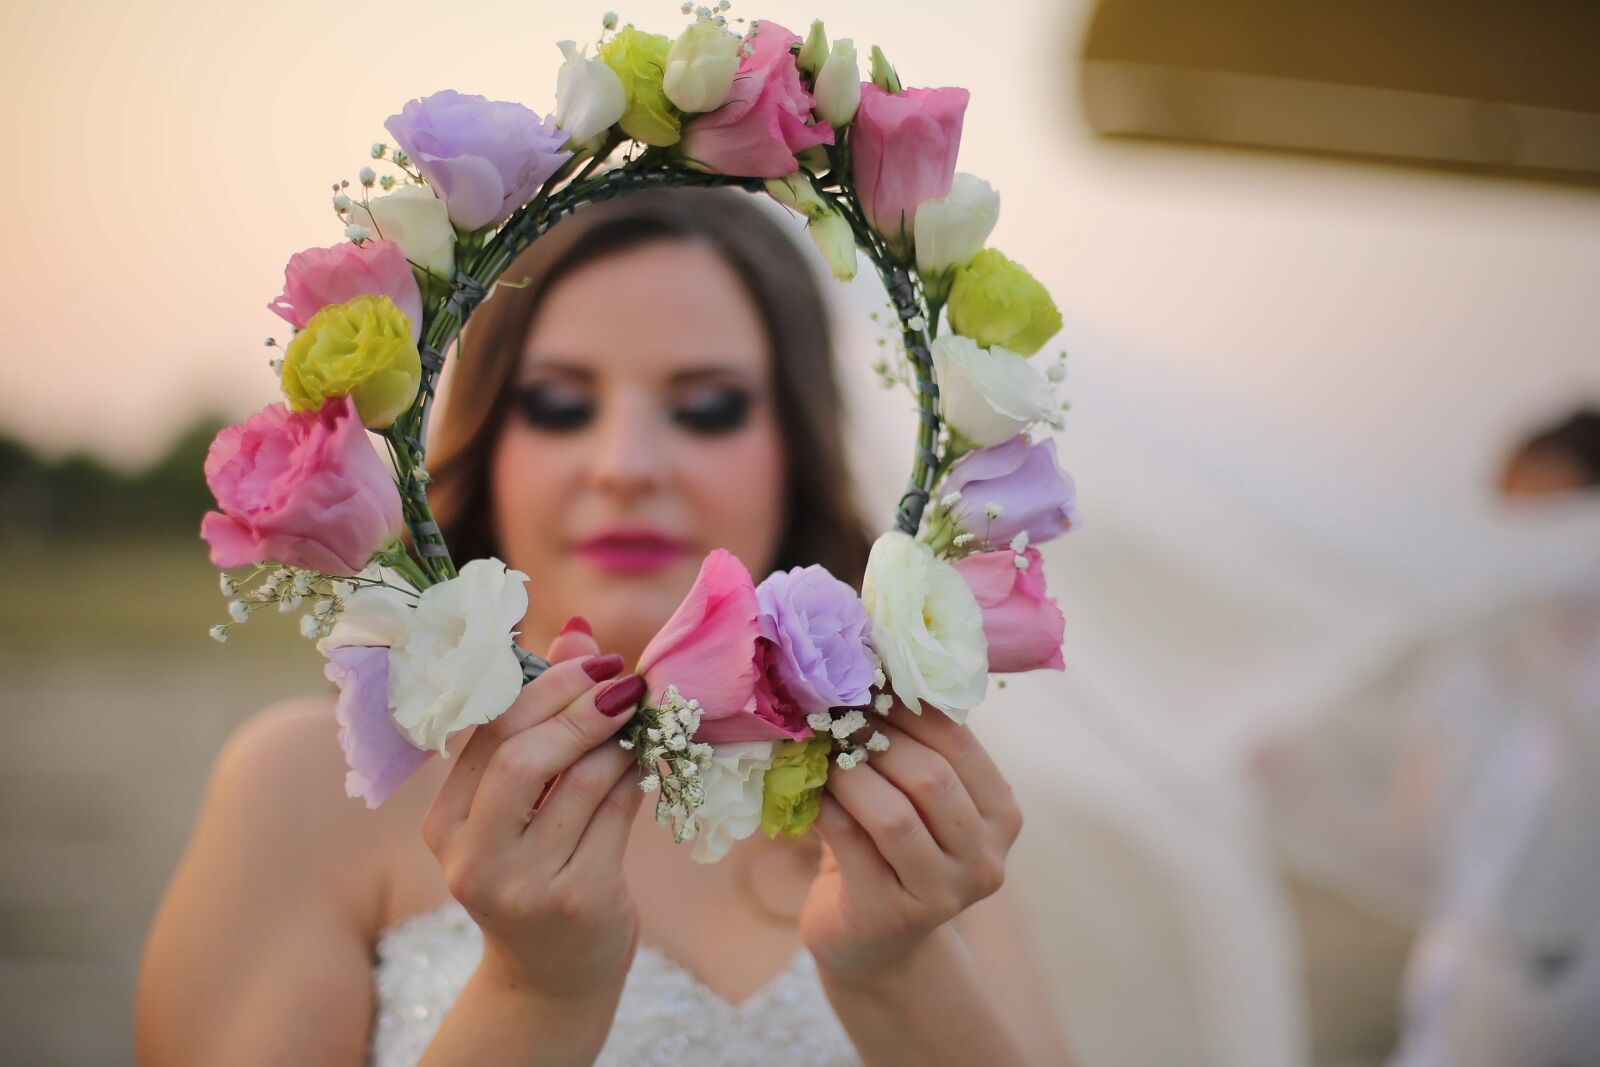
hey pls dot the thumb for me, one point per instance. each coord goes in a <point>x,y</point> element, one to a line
<point>575,641</point>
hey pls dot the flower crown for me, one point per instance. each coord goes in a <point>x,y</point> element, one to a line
<point>753,692</point>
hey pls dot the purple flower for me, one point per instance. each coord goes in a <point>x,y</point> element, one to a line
<point>485,158</point>
<point>379,755</point>
<point>1023,477</point>
<point>814,632</point>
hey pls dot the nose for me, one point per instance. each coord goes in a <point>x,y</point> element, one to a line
<point>629,457</point>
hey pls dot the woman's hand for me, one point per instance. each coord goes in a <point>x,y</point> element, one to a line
<point>546,886</point>
<point>913,837</point>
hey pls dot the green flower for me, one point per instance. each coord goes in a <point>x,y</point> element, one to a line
<point>997,302</point>
<point>791,792</point>
<point>640,61</point>
<point>361,348</point>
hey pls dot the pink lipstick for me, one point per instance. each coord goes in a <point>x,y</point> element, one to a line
<point>632,551</point>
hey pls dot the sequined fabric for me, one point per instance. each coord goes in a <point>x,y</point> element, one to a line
<point>665,1017</point>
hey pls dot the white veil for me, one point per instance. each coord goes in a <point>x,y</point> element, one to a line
<point>1146,867</point>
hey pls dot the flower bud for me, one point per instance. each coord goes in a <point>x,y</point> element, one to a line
<point>367,176</point>
<point>948,232</point>
<point>814,52</point>
<point>814,159</point>
<point>883,75</point>
<point>701,67</point>
<point>589,95</point>
<point>829,230</point>
<point>838,86</point>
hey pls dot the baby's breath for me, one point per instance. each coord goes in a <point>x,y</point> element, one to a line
<point>662,740</point>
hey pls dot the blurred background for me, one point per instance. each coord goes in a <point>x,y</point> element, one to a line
<point>1317,786</point>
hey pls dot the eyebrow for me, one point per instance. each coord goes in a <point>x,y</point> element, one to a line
<point>688,376</point>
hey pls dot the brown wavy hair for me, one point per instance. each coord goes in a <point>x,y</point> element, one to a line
<point>822,523</point>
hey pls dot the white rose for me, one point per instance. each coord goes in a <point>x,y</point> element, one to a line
<point>949,232</point>
<point>927,627</point>
<point>589,95</point>
<point>837,91</point>
<point>731,810</point>
<point>454,666</point>
<point>829,230</point>
<point>416,220</point>
<point>701,67</point>
<point>988,395</point>
<point>374,615</point>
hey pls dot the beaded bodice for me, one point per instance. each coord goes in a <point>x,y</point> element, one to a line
<point>665,1016</point>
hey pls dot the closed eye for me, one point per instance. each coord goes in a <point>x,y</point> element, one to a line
<point>713,411</point>
<point>554,407</point>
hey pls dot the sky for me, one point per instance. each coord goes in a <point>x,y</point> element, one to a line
<point>162,161</point>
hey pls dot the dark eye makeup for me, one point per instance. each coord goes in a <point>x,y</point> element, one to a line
<point>713,410</point>
<point>558,406</point>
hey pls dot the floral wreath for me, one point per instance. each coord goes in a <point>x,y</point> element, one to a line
<point>752,691</point>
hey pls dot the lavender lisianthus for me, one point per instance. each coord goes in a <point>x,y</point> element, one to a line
<point>1023,477</point>
<point>485,158</point>
<point>379,755</point>
<point>815,632</point>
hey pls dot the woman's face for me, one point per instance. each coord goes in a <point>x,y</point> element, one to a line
<point>641,435</point>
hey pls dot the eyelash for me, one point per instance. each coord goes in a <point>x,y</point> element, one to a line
<point>723,411</point>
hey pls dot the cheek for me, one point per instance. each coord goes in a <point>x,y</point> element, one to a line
<point>738,485</point>
<point>521,504</point>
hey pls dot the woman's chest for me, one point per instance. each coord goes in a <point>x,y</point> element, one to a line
<point>731,926</point>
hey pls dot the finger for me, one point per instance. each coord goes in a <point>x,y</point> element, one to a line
<point>861,866</point>
<point>935,789</point>
<point>540,699</point>
<point>552,834</point>
<point>962,750</point>
<point>575,641</point>
<point>521,765</point>
<point>605,839</point>
<point>891,820</point>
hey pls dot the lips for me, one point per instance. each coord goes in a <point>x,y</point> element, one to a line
<point>632,551</point>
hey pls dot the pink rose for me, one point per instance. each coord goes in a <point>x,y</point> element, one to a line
<point>904,148</point>
<point>302,488</point>
<point>318,277</point>
<point>708,649</point>
<point>1024,627</point>
<point>761,126</point>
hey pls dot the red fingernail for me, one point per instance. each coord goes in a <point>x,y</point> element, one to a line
<point>620,696</point>
<point>577,624</point>
<point>600,668</point>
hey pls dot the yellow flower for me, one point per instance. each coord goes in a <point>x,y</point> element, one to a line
<point>791,792</point>
<point>997,302</point>
<point>640,60</point>
<point>362,348</point>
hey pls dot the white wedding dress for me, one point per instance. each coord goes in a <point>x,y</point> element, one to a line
<point>665,1016</point>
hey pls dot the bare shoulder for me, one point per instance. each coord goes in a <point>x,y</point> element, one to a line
<point>265,927</point>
